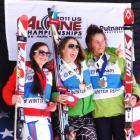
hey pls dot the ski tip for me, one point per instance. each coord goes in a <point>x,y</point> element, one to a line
<point>128,16</point>
<point>23,19</point>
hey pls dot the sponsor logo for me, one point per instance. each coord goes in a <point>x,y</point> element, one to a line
<point>112,29</point>
<point>68,26</point>
<point>37,100</point>
<point>128,53</point>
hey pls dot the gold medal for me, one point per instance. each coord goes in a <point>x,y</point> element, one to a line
<point>82,86</point>
<point>102,83</point>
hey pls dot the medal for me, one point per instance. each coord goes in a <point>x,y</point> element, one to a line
<point>103,83</point>
<point>100,65</point>
<point>82,86</point>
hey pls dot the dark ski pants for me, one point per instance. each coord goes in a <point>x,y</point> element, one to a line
<point>110,126</point>
<point>84,127</point>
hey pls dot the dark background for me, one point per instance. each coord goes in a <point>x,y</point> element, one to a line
<point>6,66</point>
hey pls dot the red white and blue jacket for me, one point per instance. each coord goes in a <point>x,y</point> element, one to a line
<point>35,105</point>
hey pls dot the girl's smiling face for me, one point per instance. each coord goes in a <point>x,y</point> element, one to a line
<point>70,51</point>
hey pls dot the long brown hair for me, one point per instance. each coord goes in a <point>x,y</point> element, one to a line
<point>36,85</point>
<point>81,55</point>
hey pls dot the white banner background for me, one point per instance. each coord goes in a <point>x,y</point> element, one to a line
<point>106,15</point>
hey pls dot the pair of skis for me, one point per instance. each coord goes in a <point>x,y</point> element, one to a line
<point>66,132</point>
<point>22,27</point>
<point>128,82</point>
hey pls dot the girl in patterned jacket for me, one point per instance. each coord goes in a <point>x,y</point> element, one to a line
<point>38,85</point>
<point>75,76</point>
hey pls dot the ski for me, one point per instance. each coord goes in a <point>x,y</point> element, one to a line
<point>66,132</point>
<point>22,25</point>
<point>128,81</point>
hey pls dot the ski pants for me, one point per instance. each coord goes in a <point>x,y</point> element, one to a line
<point>38,130</point>
<point>110,126</point>
<point>84,127</point>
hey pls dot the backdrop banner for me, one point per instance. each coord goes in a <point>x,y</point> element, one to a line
<point>74,17</point>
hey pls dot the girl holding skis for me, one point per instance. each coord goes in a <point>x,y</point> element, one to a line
<point>75,76</point>
<point>37,105</point>
<point>107,72</point>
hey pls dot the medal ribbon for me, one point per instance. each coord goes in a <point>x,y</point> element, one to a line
<point>102,70</point>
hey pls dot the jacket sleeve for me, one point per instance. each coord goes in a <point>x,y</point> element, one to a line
<point>9,89</point>
<point>54,96</point>
<point>136,89</point>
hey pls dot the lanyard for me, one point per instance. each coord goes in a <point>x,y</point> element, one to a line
<point>102,70</point>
